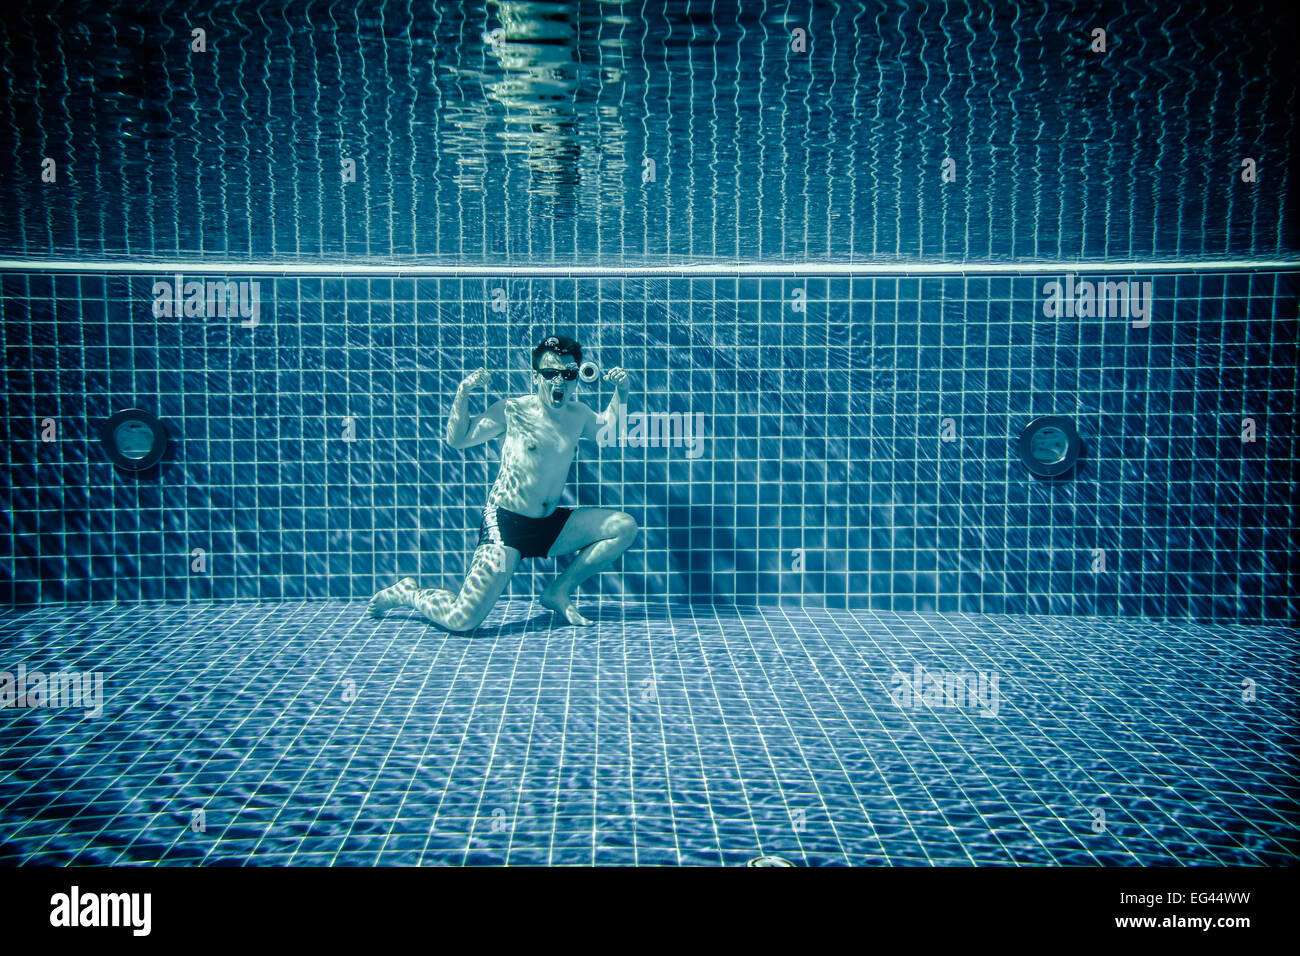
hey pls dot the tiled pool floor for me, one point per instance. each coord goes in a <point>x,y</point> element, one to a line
<point>307,733</point>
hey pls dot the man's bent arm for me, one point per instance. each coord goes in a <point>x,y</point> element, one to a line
<point>464,431</point>
<point>610,416</point>
<point>458,423</point>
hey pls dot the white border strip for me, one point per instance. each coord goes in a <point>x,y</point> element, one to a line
<point>690,269</point>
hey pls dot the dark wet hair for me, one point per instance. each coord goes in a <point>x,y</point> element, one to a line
<point>560,345</point>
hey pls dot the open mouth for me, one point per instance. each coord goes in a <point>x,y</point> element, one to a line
<point>557,396</point>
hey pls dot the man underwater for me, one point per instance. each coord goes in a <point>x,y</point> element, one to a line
<point>521,519</point>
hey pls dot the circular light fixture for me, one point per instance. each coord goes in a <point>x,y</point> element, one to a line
<point>1050,446</point>
<point>134,439</point>
<point>769,860</point>
<point>589,372</point>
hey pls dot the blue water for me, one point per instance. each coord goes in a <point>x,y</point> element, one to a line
<point>740,693</point>
<point>521,132</point>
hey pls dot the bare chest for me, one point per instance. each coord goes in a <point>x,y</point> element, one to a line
<point>533,433</point>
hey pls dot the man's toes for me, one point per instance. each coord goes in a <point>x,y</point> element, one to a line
<point>574,617</point>
<point>389,598</point>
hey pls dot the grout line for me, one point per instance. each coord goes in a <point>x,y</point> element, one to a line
<point>115,267</point>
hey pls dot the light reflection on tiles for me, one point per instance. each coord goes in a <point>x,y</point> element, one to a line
<point>663,736</point>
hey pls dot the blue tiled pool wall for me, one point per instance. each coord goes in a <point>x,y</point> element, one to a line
<point>823,480</point>
<point>472,145</point>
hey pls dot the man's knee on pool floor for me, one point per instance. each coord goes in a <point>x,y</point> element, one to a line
<point>462,620</point>
<point>459,614</point>
<point>492,567</point>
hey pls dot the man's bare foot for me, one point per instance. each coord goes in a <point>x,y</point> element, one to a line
<point>562,604</point>
<point>389,598</point>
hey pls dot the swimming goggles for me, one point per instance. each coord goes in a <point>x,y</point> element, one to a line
<point>570,374</point>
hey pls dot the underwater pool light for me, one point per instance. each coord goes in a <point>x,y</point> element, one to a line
<point>134,439</point>
<point>1049,446</point>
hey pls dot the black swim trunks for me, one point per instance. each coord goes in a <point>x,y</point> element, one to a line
<point>532,536</point>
